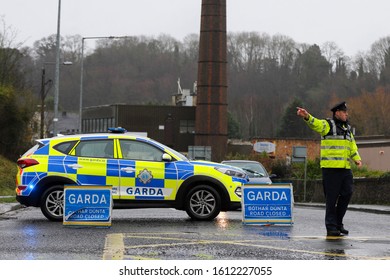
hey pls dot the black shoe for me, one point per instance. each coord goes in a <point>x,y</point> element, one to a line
<point>333,233</point>
<point>343,230</point>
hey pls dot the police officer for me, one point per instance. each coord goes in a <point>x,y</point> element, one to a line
<point>338,148</point>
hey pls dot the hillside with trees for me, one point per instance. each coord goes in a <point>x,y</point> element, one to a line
<point>268,76</point>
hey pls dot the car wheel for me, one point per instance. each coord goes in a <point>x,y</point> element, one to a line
<point>203,203</point>
<point>52,203</point>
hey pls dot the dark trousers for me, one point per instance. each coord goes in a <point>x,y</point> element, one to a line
<point>338,189</point>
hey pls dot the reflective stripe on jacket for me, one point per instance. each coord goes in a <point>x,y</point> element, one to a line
<point>338,145</point>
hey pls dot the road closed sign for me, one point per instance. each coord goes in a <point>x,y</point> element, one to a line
<point>267,204</point>
<point>87,205</point>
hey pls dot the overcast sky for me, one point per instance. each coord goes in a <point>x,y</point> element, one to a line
<point>352,24</point>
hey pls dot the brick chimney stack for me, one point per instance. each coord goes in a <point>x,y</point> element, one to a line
<point>211,110</point>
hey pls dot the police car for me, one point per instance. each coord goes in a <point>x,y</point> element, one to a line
<point>143,173</point>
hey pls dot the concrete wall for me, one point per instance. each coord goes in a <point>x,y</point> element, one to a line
<point>282,147</point>
<point>376,157</point>
<point>375,150</point>
<point>366,191</point>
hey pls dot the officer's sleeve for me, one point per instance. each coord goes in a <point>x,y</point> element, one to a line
<point>354,151</point>
<point>320,126</point>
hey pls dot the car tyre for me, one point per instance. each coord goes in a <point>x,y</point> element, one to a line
<point>52,203</point>
<point>203,203</point>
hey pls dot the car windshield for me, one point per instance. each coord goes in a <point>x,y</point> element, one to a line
<point>253,168</point>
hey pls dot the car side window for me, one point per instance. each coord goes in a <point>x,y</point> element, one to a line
<point>135,150</point>
<point>95,148</point>
<point>65,147</point>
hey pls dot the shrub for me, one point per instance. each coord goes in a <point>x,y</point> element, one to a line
<point>281,169</point>
<point>8,171</point>
<point>296,170</point>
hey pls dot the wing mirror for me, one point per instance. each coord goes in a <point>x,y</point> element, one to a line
<point>166,157</point>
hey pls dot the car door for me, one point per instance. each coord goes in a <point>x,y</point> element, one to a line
<point>143,173</point>
<point>94,163</point>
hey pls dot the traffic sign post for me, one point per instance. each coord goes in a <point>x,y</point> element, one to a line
<point>267,204</point>
<point>300,155</point>
<point>87,205</point>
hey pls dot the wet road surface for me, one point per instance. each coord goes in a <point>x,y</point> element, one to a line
<point>167,234</point>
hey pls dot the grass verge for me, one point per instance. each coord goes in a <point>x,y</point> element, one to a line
<point>8,171</point>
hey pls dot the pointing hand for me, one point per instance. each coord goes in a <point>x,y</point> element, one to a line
<point>302,113</point>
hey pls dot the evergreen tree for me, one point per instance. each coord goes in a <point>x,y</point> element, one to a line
<point>15,117</point>
<point>291,124</point>
<point>233,127</point>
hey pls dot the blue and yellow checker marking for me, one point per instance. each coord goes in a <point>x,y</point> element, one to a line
<point>108,172</point>
<point>43,151</point>
<point>167,176</point>
<point>162,176</point>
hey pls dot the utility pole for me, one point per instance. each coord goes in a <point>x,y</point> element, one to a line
<point>57,72</point>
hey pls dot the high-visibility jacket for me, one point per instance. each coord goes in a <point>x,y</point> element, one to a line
<point>338,146</point>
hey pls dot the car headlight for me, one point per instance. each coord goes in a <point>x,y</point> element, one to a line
<point>238,191</point>
<point>232,172</point>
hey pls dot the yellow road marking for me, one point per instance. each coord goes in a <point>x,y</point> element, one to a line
<point>115,248</point>
<point>201,242</point>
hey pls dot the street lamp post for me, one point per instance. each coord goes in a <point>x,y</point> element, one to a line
<point>57,72</point>
<point>82,70</point>
<point>44,94</point>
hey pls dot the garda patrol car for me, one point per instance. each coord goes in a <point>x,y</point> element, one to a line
<point>142,172</point>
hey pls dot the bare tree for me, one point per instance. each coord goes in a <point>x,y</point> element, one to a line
<point>376,57</point>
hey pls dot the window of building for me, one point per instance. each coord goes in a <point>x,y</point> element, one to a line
<point>97,125</point>
<point>187,126</point>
